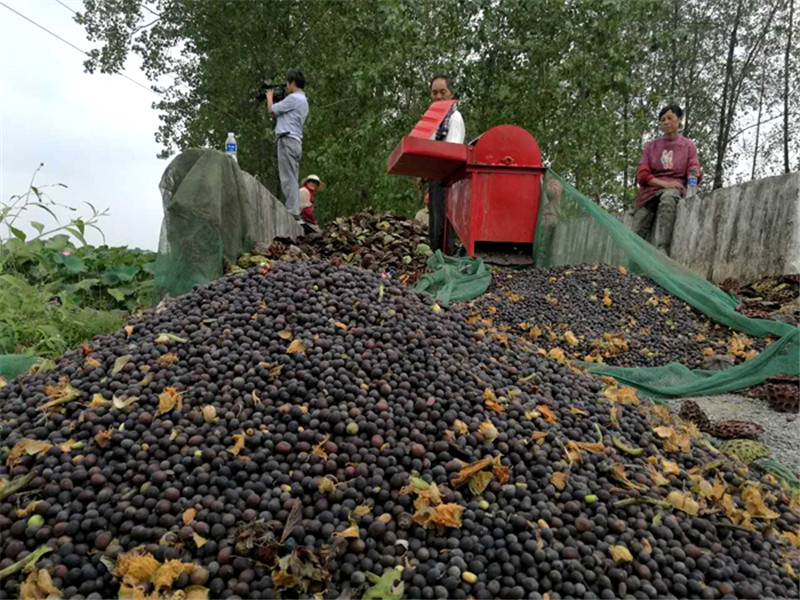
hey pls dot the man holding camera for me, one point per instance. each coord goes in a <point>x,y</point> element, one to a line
<point>291,113</point>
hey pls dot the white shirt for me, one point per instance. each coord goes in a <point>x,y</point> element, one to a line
<point>456,130</point>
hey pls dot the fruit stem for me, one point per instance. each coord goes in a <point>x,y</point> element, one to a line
<point>22,564</point>
<point>15,486</point>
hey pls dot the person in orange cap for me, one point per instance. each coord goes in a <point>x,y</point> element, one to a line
<point>308,187</point>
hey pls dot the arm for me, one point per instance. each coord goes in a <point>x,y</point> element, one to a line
<point>284,106</point>
<point>645,177</point>
<point>693,164</point>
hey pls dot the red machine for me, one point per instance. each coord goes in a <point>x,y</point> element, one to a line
<point>493,185</point>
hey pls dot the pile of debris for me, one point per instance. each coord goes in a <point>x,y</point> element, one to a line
<point>379,241</point>
<point>769,298</point>
<point>600,313</point>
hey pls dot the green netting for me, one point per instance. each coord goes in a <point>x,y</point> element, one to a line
<point>204,220</point>
<point>12,365</point>
<point>455,279</point>
<point>572,229</point>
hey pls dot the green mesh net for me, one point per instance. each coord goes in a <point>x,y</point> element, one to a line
<point>204,221</point>
<point>572,229</point>
<point>455,279</point>
<point>12,365</point>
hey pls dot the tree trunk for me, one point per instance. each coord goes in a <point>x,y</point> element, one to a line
<point>786,61</point>
<point>625,151</point>
<point>673,75</point>
<point>758,123</point>
<point>692,74</point>
<point>726,91</point>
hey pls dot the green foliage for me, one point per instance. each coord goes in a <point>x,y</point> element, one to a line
<point>55,294</point>
<point>586,78</point>
<point>31,322</point>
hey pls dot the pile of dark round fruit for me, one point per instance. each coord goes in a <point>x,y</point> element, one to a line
<point>305,429</point>
<point>601,313</point>
<point>378,241</point>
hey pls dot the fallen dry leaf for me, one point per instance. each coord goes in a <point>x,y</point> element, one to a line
<point>209,413</point>
<point>460,427</point>
<point>646,546</point>
<point>501,472</point>
<point>577,411</point>
<point>238,446</point>
<point>670,467</point>
<point>570,338</point>
<point>169,400</point>
<point>447,515</point>
<point>754,503</point>
<point>479,481</point>
<point>285,335</point>
<point>548,415</point>
<point>340,325</point>
<point>362,510</point>
<point>607,298</point>
<point>620,554</point>
<point>621,395</point>
<point>199,540</point>
<point>26,447</point>
<point>189,515</point>
<point>103,438</point>
<point>488,431</point>
<point>683,501</point>
<point>39,586</point>
<point>469,470</point>
<point>559,480</point>
<point>296,347</point>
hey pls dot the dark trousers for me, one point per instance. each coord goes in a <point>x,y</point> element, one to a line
<point>437,219</point>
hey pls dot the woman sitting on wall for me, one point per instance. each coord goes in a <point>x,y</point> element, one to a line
<point>668,165</point>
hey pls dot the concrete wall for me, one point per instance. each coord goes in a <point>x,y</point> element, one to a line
<point>745,232</point>
<point>267,217</point>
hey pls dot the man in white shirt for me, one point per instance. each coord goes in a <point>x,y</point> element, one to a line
<point>450,130</point>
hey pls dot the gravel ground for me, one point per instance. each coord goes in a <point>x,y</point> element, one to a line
<point>781,430</point>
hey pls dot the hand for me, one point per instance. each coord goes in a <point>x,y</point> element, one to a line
<point>270,93</point>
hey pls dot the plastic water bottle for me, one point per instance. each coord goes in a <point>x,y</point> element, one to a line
<point>231,146</point>
<point>691,186</point>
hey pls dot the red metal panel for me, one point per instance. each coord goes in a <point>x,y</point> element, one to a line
<point>459,210</point>
<point>432,118</point>
<point>505,205</point>
<point>506,145</point>
<point>426,158</point>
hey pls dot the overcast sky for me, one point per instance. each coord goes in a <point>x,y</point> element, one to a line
<point>93,133</point>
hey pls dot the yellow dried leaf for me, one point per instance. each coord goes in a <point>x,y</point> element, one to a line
<point>570,338</point>
<point>593,447</point>
<point>793,537</point>
<point>136,566</point>
<point>535,332</point>
<point>495,406</point>
<point>196,592</point>
<point>340,325</point>
<point>479,481</point>
<point>621,395</point>
<point>460,427</point>
<point>296,347</point>
<point>488,431</point>
<point>547,414</point>
<point>167,360</point>
<point>188,515</point>
<point>618,471</point>
<point>447,515</point>
<point>39,586</point>
<point>350,532</point>
<point>790,571</point>
<point>209,413</point>
<point>684,502</point>
<point>282,579</point>
<point>285,334</point>
<point>670,467</point>
<point>427,493</point>
<point>26,447</point>
<point>104,437</point>
<point>607,298</point>
<point>29,509</point>
<point>169,400</point>
<point>559,480</point>
<point>469,470</point>
<point>362,510</point>
<point>754,503</point>
<point>620,554</point>
<point>238,446</point>
<point>326,485</point>
<point>573,452</point>
<point>91,362</point>
<point>129,330</point>
<point>319,448</point>
<point>199,540</point>
<point>557,354</point>
<point>623,270</point>
<point>472,319</point>
<point>656,476</point>
<point>169,572</point>
<point>66,446</point>
<point>538,436</point>
<point>646,546</point>
<point>577,411</point>
<point>501,472</point>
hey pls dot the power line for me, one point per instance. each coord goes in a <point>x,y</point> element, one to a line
<point>67,7</point>
<point>74,47</point>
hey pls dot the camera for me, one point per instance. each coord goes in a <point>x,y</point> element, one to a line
<point>278,94</point>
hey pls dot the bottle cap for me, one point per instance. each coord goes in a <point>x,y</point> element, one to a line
<point>230,134</point>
